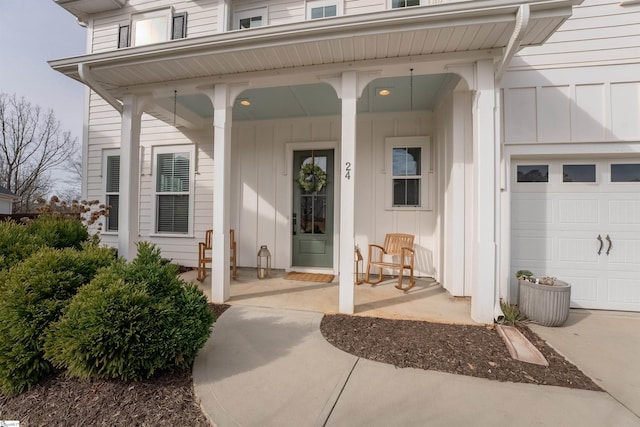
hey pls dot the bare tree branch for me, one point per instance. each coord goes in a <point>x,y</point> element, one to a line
<point>32,145</point>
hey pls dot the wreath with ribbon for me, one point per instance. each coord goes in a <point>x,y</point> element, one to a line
<point>311,178</point>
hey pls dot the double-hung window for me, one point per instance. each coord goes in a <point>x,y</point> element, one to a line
<point>173,189</point>
<point>408,165</point>
<point>323,9</point>
<point>111,168</point>
<point>152,27</point>
<point>397,4</point>
<point>250,19</point>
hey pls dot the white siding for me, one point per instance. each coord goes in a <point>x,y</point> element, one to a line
<point>259,196</point>
<point>599,32</point>
<point>5,206</point>
<point>201,21</point>
<point>580,105</point>
<point>260,190</point>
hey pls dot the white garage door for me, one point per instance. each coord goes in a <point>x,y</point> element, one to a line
<point>580,222</point>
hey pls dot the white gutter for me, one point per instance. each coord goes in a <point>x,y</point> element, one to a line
<point>86,77</point>
<point>522,22</point>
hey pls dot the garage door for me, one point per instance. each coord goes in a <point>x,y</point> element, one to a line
<point>580,222</point>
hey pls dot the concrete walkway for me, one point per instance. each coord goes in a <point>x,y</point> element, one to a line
<point>272,367</point>
<point>606,347</point>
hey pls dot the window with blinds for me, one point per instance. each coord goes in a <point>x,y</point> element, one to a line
<point>112,196</point>
<point>172,192</point>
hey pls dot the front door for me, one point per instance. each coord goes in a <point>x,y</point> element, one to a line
<point>312,220</point>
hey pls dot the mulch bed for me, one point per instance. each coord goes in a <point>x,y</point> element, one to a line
<point>476,351</point>
<point>168,399</point>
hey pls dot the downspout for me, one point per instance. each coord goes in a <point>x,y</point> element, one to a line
<point>522,22</point>
<point>87,78</point>
<point>498,315</point>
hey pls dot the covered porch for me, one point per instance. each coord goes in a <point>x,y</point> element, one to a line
<point>195,85</point>
<point>427,301</point>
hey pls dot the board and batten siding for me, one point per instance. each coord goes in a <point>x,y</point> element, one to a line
<point>261,184</point>
<point>201,20</point>
<point>580,105</point>
<point>599,32</point>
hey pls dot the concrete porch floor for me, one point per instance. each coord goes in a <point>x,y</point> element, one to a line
<point>426,301</point>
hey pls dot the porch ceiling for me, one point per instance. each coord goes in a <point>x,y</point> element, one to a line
<point>396,36</point>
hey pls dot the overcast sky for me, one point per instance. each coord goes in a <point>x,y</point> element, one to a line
<point>33,32</point>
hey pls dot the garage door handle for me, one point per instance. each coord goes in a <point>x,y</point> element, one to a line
<point>601,243</point>
<point>608,239</point>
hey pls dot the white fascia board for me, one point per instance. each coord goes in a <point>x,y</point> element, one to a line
<point>436,16</point>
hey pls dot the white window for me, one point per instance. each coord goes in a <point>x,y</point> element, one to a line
<point>408,168</point>
<point>151,27</point>
<point>111,178</point>
<point>323,9</point>
<point>250,19</point>
<point>172,173</point>
<point>397,4</point>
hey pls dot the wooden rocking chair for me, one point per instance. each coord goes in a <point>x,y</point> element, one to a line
<point>203,259</point>
<point>400,245</point>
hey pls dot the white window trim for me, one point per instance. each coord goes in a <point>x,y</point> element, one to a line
<point>165,12</point>
<point>312,4</point>
<point>390,5</point>
<point>168,149</point>
<point>426,176</point>
<point>107,152</point>
<point>250,13</point>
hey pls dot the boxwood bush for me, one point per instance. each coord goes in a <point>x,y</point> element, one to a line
<point>131,321</point>
<point>32,296</point>
<point>16,243</point>
<point>59,231</point>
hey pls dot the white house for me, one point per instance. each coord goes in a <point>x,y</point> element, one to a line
<point>503,134</point>
<point>6,201</point>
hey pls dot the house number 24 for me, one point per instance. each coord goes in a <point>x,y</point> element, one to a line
<point>348,169</point>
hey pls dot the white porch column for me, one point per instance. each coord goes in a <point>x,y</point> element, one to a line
<point>486,184</point>
<point>220,274</point>
<point>129,213</point>
<point>349,94</point>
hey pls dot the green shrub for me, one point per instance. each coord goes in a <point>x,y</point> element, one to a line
<point>130,322</point>
<point>512,314</point>
<point>33,295</point>
<point>58,231</point>
<point>16,243</point>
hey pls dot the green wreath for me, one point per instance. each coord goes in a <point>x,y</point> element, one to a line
<point>311,178</point>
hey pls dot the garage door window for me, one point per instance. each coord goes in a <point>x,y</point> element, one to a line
<point>578,173</point>
<point>625,172</point>
<point>533,173</point>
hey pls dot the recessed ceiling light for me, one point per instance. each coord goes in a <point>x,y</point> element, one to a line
<point>245,102</point>
<point>384,92</point>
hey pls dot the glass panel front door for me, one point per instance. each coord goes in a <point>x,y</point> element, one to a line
<point>312,239</point>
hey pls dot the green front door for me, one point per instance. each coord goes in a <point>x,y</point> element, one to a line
<point>312,239</point>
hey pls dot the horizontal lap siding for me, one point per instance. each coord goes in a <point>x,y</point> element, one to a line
<point>583,85</point>
<point>599,32</point>
<point>201,21</point>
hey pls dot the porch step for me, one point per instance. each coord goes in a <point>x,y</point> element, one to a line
<point>520,347</point>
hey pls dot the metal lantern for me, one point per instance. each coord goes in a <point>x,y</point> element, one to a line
<point>264,262</point>
<point>357,268</point>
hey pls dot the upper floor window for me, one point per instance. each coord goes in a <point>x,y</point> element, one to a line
<point>408,162</point>
<point>323,9</point>
<point>250,18</point>
<point>396,4</point>
<point>152,27</point>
